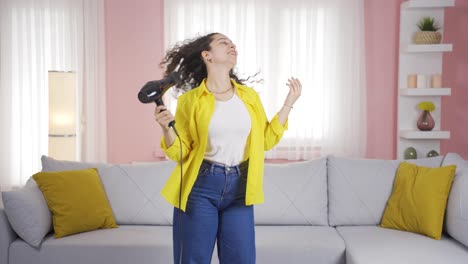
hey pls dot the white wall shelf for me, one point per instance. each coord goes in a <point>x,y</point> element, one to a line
<point>427,4</point>
<point>416,134</point>
<point>425,60</point>
<point>427,48</point>
<point>425,91</point>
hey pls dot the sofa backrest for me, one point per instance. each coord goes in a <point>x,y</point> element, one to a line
<point>295,194</point>
<point>326,191</point>
<point>358,189</point>
<point>132,189</point>
<point>456,218</point>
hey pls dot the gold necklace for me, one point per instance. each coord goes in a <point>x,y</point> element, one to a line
<point>229,89</point>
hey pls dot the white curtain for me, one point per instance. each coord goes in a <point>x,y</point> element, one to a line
<point>37,36</point>
<point>93,96</point>
<point>319,41</point>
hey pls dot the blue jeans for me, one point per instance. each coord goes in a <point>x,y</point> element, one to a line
<point>216,211</point>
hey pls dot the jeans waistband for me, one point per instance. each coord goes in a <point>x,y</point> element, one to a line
<point>215,165</point>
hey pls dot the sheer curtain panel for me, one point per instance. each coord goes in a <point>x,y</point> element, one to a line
<point>37,36</point>
<point>319,41</point>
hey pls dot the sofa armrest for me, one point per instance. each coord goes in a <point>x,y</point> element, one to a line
<point>7,235</point>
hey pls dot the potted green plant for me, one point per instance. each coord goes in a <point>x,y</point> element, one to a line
<point>428,33</point>
<point>425,120</point>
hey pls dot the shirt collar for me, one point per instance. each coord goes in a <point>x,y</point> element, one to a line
<point>242,91</point>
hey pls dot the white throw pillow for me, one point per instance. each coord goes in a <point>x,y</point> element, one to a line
<point>295,194</point>
<point>27,212</point>
<point>457,206</point>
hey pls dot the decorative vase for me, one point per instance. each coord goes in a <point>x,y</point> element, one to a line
<point>410,153</point>
<point>425,121</point>
<point>432,153</point>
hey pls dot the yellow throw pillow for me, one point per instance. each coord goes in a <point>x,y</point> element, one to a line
<point>77,201</point>
<point>418,199</point>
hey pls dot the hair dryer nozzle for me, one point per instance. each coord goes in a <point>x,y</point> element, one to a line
<point>154,90</point>
<point>150,92</point>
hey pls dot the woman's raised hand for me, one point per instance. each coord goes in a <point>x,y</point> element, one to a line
<point>295,89</point>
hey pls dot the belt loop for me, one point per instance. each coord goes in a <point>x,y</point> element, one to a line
<point>211,167</point>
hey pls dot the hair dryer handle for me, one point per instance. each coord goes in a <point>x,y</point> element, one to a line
<point>158,102</point>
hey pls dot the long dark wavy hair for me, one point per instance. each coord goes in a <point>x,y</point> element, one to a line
<point>185,58</point>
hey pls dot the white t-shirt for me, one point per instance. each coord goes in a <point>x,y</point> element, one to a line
<point>228,132</point>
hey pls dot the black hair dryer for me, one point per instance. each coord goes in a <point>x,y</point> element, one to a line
<point>153,91</point>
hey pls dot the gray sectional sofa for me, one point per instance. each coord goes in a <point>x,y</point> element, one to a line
<point>323,211</point>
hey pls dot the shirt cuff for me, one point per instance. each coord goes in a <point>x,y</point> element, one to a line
<point>276,125</point>
<point>168,150</point>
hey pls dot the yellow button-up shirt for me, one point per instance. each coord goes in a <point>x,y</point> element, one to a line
<point>192,119</point>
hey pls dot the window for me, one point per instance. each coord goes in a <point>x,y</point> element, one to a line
<point>320,42</point>
<point>38,36</point>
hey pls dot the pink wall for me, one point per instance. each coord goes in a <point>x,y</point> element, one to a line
<point>134,43</point>
<point>455,72</point>
<point>382,26</point>
<point>134,48</point>
<point>382,18</point>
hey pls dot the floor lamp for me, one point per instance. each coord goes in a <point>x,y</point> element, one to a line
<point>62,115</point>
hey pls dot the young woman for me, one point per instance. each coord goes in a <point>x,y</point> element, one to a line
<point>223,132</point>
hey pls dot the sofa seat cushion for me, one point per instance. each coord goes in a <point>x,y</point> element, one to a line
<point>299,244</point>
<point>372,244</point>
<point>126,244</point>
<point>153,244</point>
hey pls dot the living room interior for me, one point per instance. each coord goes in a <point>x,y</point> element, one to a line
<point>70,73</point>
